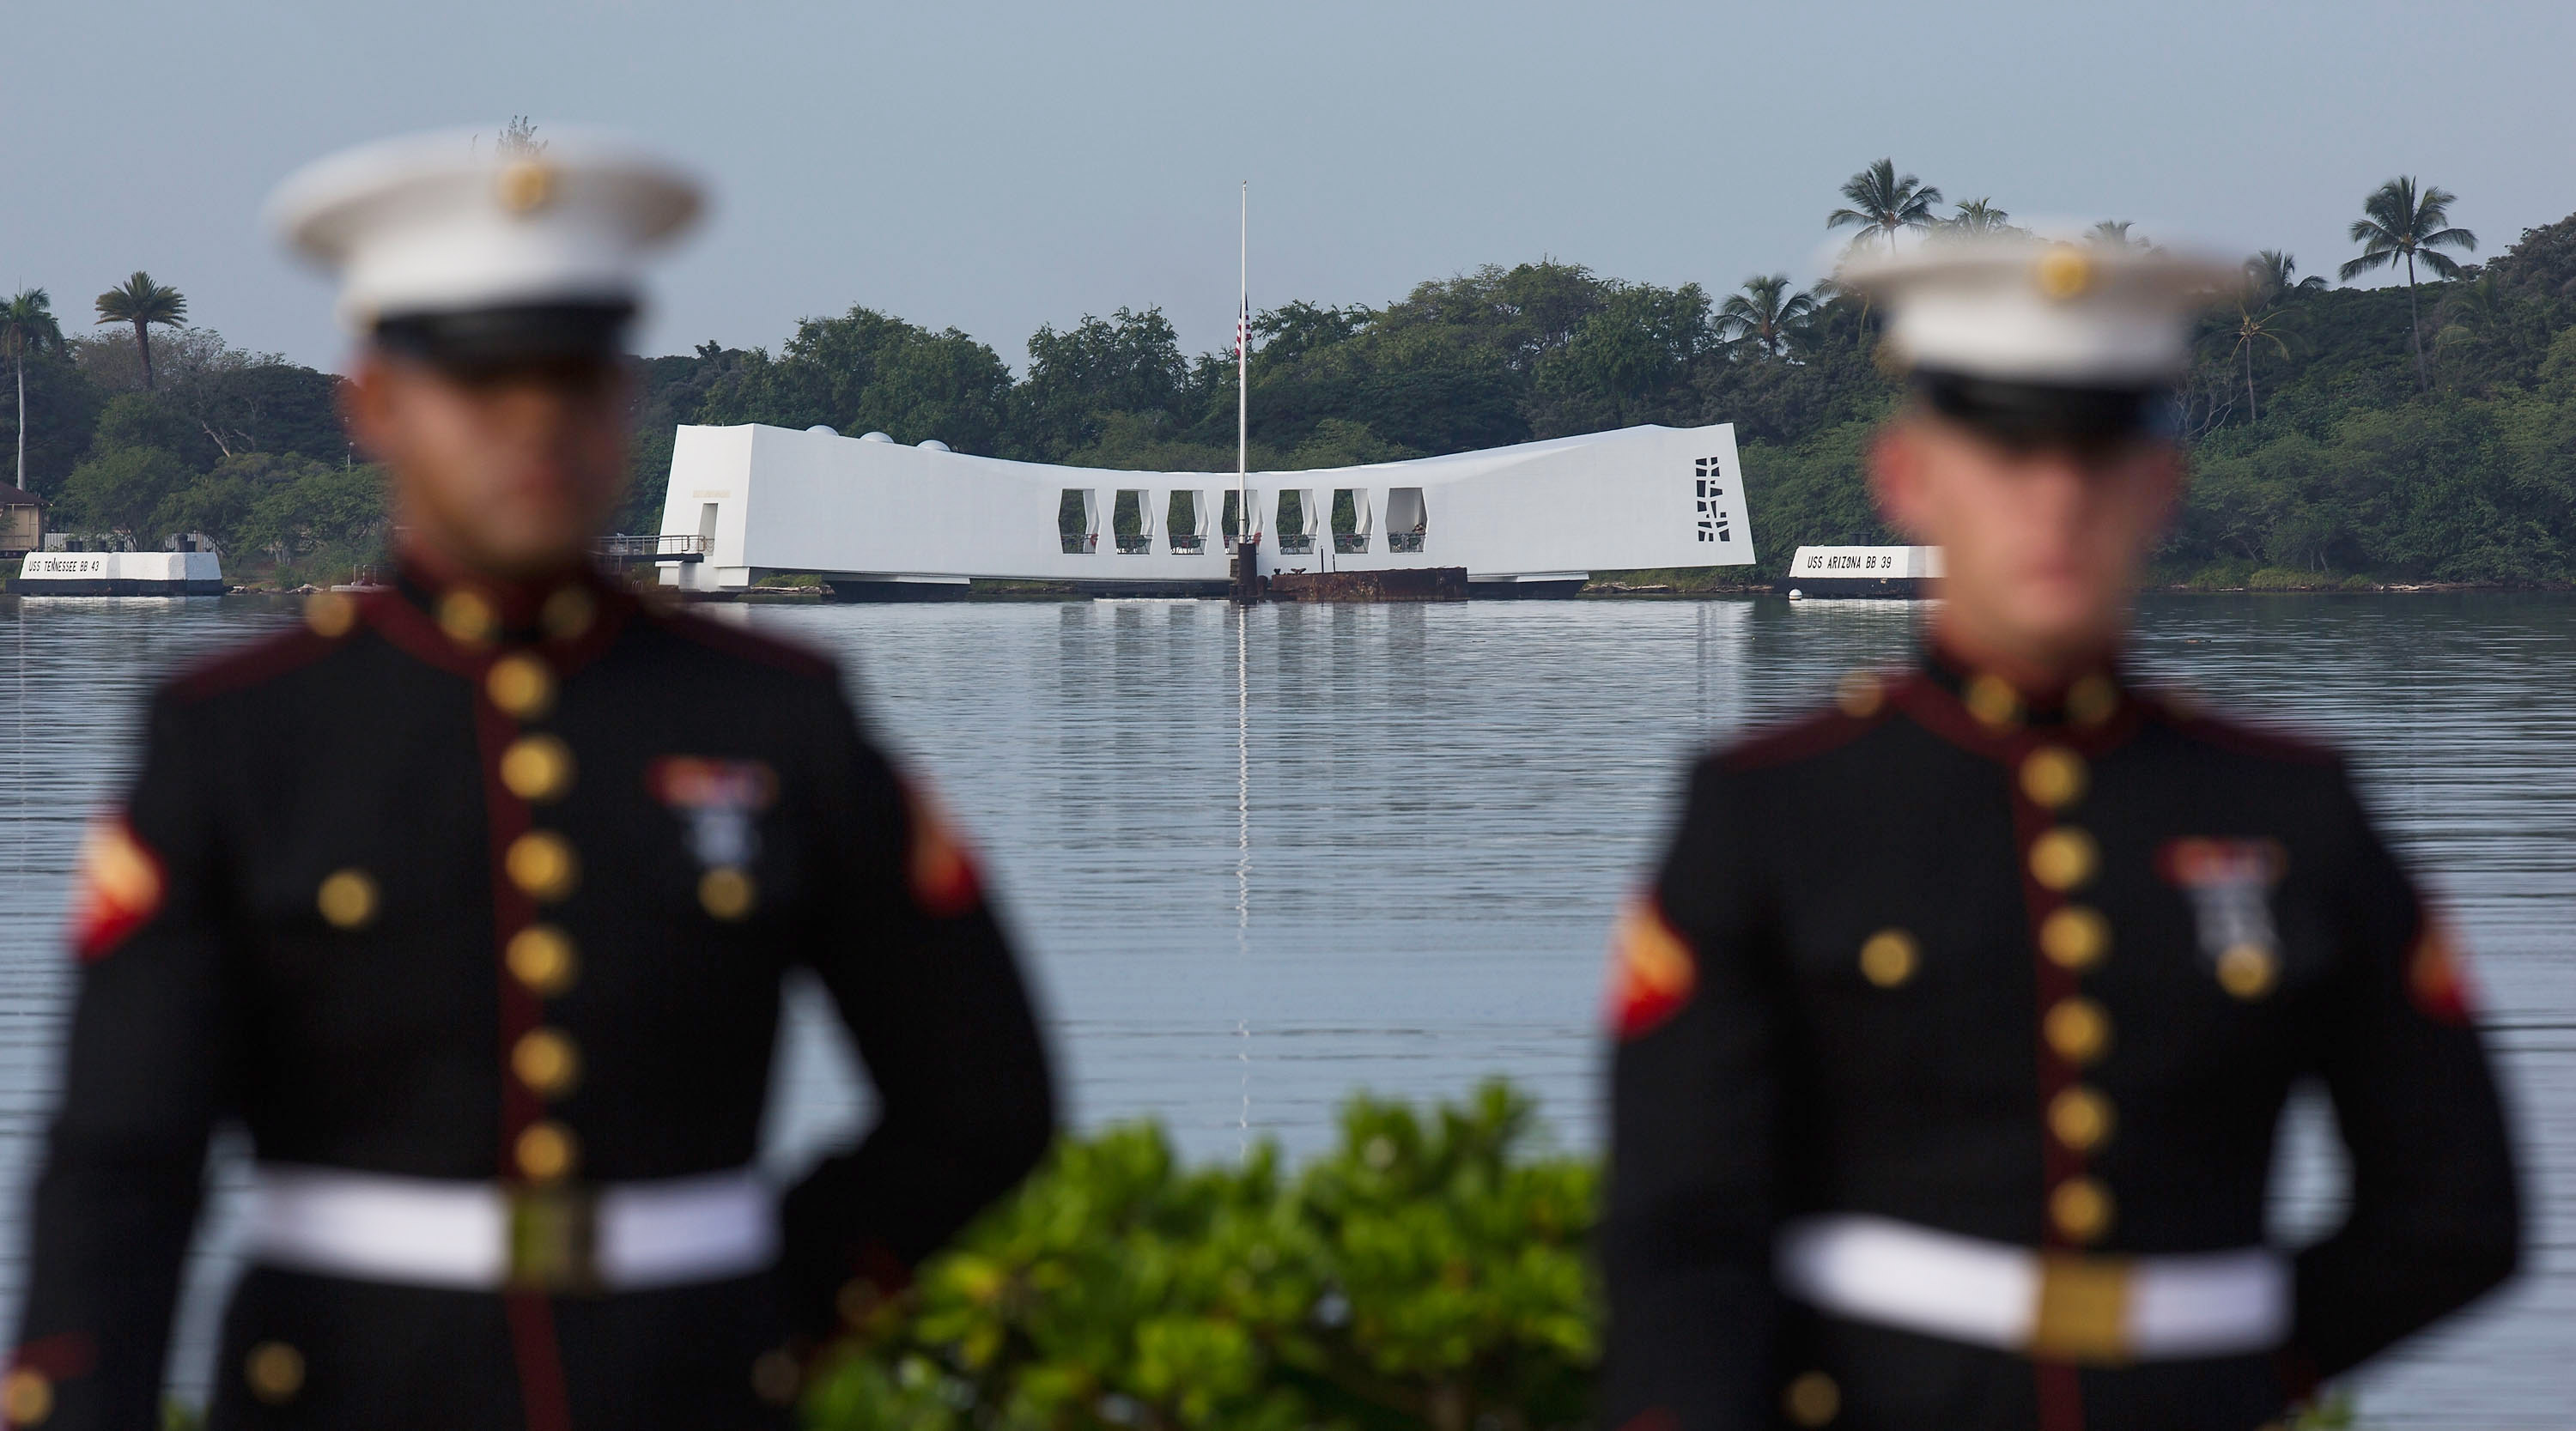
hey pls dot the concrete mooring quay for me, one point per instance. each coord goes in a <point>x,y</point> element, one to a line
<point>1432,583</point>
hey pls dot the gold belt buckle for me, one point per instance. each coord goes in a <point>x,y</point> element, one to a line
<point>2083,1309</point>
<point>554,1239</point>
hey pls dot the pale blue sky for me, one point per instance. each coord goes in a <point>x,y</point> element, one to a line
<point>994,166</point>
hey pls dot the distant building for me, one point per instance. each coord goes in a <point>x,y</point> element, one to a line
<point>874,515</point>
<point>22,522</point>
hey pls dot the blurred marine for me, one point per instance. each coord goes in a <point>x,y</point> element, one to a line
<point>469,901</point>
<point>1955,1028</point>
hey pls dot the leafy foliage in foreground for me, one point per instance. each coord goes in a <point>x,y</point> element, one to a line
<point>1429,1272</point>
<point>1432,1271</point>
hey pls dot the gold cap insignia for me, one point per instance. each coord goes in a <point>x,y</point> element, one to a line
<point>525,186</point>
<point>2063,272</point>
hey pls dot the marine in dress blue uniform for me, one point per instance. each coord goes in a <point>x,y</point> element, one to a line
<point>1956,1024</point>
<point>470,901</point>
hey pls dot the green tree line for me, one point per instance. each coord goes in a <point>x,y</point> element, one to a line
<point>133,438</point>
<point>2422,431</point>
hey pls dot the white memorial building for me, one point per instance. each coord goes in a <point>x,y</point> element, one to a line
<point>746,502</point>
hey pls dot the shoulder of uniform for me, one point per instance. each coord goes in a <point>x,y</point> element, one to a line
<point>1861,703</point>
<point>1785,742</point>
<point>734,642</point>
<point>247,666</point>
<point>2262,740</point>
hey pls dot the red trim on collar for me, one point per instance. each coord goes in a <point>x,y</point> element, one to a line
<point>416,632</point>
<point>1934,707</point>
<point>516,600</point>
<point>615,606</point>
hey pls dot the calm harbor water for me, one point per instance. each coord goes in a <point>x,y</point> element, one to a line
<point>1262,861</point>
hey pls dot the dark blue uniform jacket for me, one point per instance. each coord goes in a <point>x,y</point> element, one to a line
<point>2039,972</point>
<point>462,884</point>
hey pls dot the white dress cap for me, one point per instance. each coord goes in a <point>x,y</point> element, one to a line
<point>446,223</point>
<point>2021,310</point>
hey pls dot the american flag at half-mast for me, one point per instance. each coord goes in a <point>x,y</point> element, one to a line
<point>1243,327</point>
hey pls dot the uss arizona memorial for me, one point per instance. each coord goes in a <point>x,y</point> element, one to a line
<point>1536,518</point>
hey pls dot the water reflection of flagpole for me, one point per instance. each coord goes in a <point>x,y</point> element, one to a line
<point>18,788</point>
<point>1243,864</point>
<point>1703,670</point>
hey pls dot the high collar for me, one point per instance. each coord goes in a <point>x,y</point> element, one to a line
<point>2093,707</point>
<point>2086,695</point>
<point>463,620</point>
<point>474,609</point>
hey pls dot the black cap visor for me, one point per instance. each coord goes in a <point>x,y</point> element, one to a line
<point>485,342</point>
<point>2023,414</point>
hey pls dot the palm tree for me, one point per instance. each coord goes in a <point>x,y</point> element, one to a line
<point>519,139</point>
<point>2253,328</point>
<point>2481,311</point>
<point>1978,216</point>
<point>2271,273</point>
<point>1764,313</point>
<point>142,302</point>
<point>2398,222</point>
<point>1883,204</point>
<point>2114,233</point>
<point>27,321</point>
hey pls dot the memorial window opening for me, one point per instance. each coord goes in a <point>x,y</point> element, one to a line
<point>1351,520</point>
<point>1185,523</point>
<point>1077,521</point>
<point>1127,519</point>
<point>1407,520</point>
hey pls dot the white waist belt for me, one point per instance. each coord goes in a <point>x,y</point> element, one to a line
<point>432,1232</point>
<point>2057,1305</point>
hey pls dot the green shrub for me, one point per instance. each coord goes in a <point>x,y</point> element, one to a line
<point>1428,1272</point>
<point>2273,578</point>
<point>2334,1413</point>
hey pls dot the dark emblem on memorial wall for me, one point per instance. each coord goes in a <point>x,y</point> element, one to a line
<point>1712,516</point>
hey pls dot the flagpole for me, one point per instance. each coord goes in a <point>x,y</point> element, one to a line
<point>1242,375</point>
